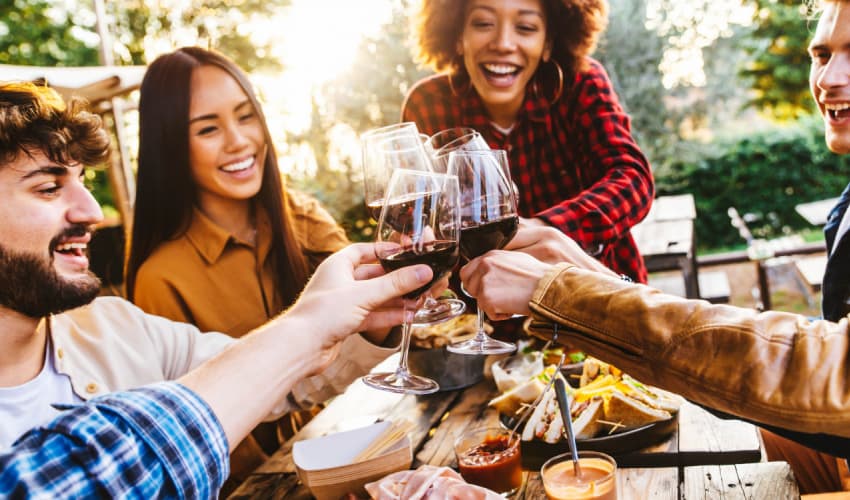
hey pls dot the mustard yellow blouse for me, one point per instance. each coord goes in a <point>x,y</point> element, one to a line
<point>214,280</point>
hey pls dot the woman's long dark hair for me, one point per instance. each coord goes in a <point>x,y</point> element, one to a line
<point>165,190</point>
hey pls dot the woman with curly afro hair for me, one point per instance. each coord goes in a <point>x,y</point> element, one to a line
<point>520,72</point>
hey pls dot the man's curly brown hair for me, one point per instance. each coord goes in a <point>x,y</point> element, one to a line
<point>35,118</point>
<point>572,26</point>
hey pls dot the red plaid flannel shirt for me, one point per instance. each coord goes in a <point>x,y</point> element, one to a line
<point>576,164</point>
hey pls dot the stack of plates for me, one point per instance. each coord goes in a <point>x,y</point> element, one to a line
<point>325,465</point>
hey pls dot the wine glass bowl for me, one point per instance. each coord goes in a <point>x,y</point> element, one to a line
<point>377,168</point>
<point>470,140</point>
<point>443,137</point>
<point>419,224</point>
<point>489,221</point>
<point>385,150</point>
<point>389,154</point>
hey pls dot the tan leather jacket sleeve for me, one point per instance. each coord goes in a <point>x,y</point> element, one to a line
<point>772,367</point>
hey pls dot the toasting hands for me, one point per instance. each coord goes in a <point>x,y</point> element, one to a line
<point>350,292</point>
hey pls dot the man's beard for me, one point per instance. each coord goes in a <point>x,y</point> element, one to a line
<point>30,285</point>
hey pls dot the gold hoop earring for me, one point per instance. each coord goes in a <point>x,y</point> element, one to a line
<point>455,91</point>
<point>535,87</point>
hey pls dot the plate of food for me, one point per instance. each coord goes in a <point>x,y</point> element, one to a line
<point>530,360</point>
<point>429,357</point>
<point>611,412</point>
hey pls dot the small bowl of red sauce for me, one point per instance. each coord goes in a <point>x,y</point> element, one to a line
<point>490,457</point>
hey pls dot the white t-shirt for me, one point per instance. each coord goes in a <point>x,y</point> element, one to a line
<point>29,405</point>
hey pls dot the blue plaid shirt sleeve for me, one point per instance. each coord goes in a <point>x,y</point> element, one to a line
<point>157,441</point>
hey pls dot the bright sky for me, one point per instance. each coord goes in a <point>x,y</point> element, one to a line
<point>316,40</point>
<point>696,24</point>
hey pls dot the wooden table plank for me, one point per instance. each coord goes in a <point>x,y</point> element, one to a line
<point>773,480</point>
<point>470,412</point>
<point>664,241</point>
<point>706,439</point>
<point>659,483</point>
<point>680,206</point>
<point>362,406</point>
<point>656,484</point>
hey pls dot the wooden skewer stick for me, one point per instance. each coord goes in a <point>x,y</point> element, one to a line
<point>392,434</point>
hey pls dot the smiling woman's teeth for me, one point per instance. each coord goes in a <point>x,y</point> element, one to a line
<point>242,165</point>
<point>500,69</point>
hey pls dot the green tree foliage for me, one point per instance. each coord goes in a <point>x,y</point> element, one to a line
<point>367,95</point>
<point>37,33</point>
<point>665,121</point>
<point>370,94</point>
<point>215,24</point>
<point>779,66</point>
<point>631,55</point>
<point>44,33</point>
<point>764,174</point>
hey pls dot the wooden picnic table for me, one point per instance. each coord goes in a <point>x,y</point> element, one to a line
<point>667,240</point>
<point>816,212</point>
<point>704,453</point>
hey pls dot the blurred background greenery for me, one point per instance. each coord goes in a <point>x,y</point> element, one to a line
<point>717,90</point>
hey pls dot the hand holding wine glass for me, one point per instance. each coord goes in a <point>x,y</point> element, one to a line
<point>384,150</point>
<point>419,224</point>
<point>488,222</point>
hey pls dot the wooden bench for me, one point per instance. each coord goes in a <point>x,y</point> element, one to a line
<point>713,285</point>
<point>666,239</point>
<point>811,269</point>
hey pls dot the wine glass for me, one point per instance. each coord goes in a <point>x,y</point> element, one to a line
<point>488,222</point>
<point>384,150</point>
<point>448,135</point>
<point>419,224</point>
<point>454,139</point>
<point>375,170</point>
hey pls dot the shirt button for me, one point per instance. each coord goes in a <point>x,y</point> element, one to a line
<point>60,353</point>
<point>91,388</point>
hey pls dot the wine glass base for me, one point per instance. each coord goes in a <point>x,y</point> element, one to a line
<point>444,310</point>
<point>401,384</point>
<point>476,346</point>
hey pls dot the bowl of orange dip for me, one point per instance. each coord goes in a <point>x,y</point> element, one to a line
<point>598,479</point>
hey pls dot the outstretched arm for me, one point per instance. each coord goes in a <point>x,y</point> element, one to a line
<point>172,439</point>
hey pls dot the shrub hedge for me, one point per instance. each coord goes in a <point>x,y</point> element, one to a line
<point>764,175</point>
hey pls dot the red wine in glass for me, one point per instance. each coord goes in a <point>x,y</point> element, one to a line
<point>440,256</point>
<point>480,239</point>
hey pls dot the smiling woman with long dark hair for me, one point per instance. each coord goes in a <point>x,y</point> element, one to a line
<point>519,72</point>
<point>217,240</point>
<point>167,196</point>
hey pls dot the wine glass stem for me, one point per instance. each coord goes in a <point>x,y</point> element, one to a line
<point>480,334</point>
<point>430,302</point>
<point>405,343</point>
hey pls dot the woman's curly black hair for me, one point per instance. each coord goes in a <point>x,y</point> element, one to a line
<point>572,27</point>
